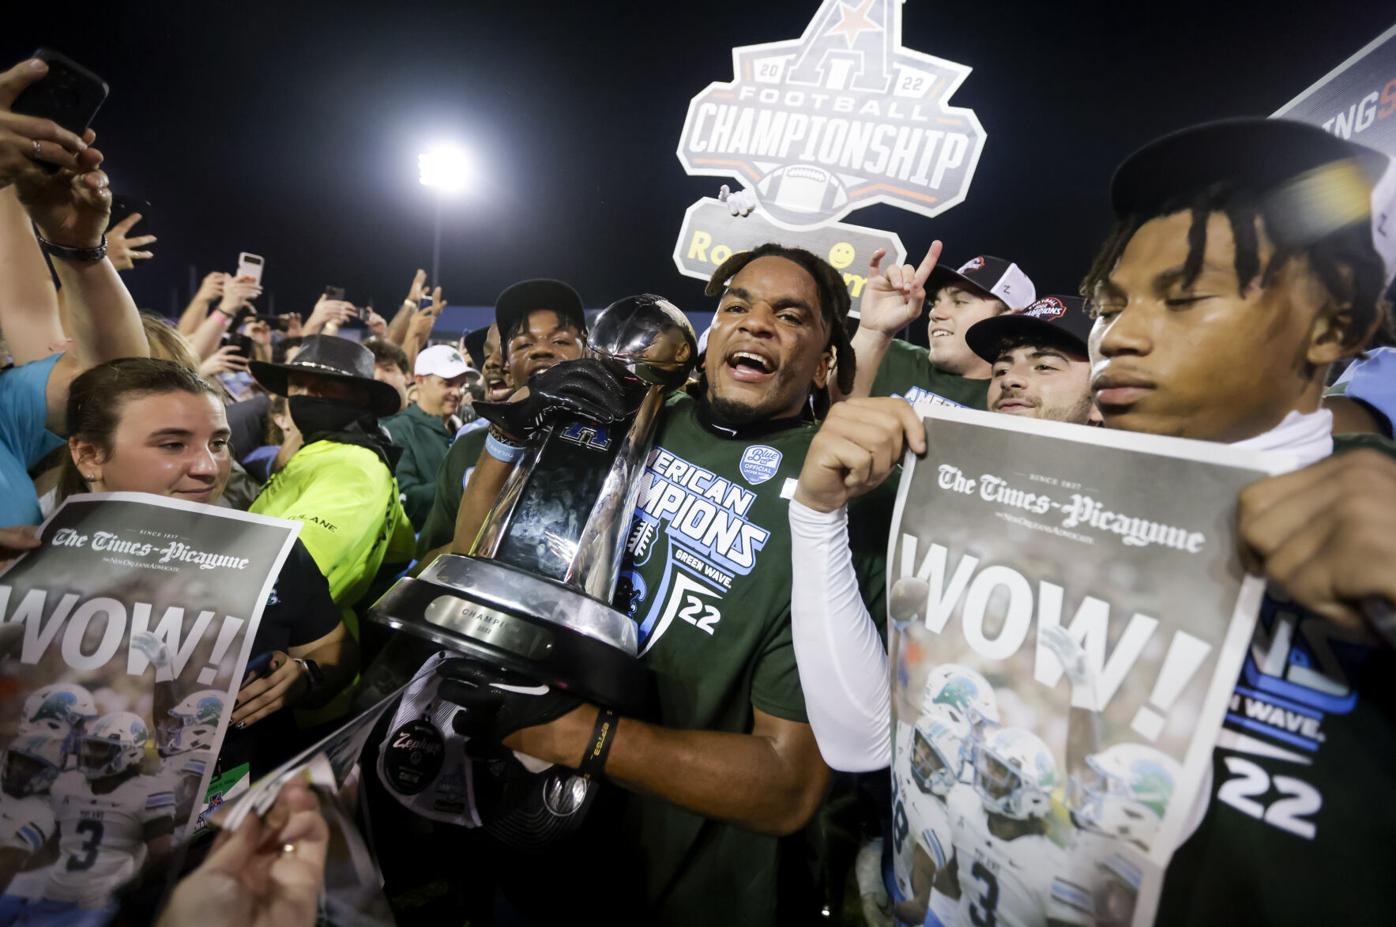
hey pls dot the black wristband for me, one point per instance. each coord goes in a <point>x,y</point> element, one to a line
<point>81,255</point>
<point>503,437</point>
<point>313,674</point>
<point>594,759</point>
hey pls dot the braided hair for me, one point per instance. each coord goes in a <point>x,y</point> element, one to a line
<point>834,301</point>
<point>1345,261</point>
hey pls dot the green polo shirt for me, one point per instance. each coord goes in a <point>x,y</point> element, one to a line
<point>424,441</point>
<point>449,487</point>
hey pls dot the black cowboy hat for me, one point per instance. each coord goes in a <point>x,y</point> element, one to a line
<point>334,359</point>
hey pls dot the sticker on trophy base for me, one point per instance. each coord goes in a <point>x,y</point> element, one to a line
<point>412,757</point>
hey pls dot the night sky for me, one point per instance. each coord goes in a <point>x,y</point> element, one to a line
<point>292,130</point>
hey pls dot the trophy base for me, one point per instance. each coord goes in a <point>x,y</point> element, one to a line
<point>523,622</point>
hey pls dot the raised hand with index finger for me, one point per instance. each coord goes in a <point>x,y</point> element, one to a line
<point>894,296</point>
<point>417,289</point>
<point>424,319</point>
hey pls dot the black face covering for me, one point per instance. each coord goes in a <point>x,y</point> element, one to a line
<point>314,416</point>
<point>335,420</point>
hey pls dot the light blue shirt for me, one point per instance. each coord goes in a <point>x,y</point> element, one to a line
<point>1371,379</point>
<point>24,438</point>
<point>475,424</point>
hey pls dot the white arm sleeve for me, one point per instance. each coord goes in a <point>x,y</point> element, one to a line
<point>842,663</point>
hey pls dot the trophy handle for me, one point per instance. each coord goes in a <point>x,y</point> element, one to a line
<point>595,568</point>
<point>496,523</point>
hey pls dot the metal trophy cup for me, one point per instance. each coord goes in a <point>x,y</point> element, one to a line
<point>534,595</point>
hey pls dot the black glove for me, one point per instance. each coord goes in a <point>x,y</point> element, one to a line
<point>583,388</point>
<point>495,702</point>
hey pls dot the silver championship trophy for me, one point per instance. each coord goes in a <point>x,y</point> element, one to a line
<point>535,593</point>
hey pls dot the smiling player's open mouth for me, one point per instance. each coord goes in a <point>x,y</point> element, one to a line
<point>750,366</point>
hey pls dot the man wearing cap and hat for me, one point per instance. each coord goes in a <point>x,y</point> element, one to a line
<point>340,484</point>
<point>946,371</point>
<point>546,322</point>
<point>421,430</point>
<point>1247,257</point>
<point>1040,367</point>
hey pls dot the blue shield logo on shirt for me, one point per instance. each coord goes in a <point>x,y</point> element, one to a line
<point>759,463</point>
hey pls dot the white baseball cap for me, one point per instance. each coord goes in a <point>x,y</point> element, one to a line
<point>442,360</point>
<point>989,276</point>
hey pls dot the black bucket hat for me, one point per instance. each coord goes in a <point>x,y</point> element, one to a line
<point>334,359</point>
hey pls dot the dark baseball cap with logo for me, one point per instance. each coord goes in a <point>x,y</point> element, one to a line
<point>518,300</point>
<point>988,276</point>
<point>1053,321</point>
<point>1307,183</point>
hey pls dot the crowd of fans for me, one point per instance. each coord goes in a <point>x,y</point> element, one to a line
<point>1210,314</point>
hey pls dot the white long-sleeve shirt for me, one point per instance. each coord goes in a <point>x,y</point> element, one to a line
<point>841,658</point>
<point>840,655</point>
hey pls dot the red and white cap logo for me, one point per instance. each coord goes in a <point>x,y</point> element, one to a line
<point>1047,308</point>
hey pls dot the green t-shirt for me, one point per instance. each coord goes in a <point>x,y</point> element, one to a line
<point>906,371</point>
<point>424,440</point>
<point>708,583</point>
<point>1297,831</point>
<point>449,487</point>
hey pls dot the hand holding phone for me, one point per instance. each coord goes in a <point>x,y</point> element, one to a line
<point>250,267</point>
<point>274,681</point>
<point>280,323</point>
<point>238,294</point>
<point>328,309</point>
<point>50,101</point>
<point>71,205</point>
<point>242,345</point>
<point>361,313</point>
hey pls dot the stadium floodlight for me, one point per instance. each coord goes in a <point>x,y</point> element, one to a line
<point>446,168</point>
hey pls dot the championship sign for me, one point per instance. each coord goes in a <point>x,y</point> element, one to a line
<point>841,118</point>
<point>1357,99</point>
<point>710,235</point>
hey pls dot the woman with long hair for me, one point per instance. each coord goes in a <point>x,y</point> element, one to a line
<point>147,425</point>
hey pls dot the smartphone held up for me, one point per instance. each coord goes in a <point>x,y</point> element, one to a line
<point>69,94</point>
<point>250,266</point>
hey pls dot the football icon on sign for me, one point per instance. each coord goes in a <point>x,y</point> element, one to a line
<point>803,189</point>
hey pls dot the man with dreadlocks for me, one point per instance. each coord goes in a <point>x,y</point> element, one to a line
<point>727,762</point>
<point>1274,239</point>
<point>1248,256</point>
